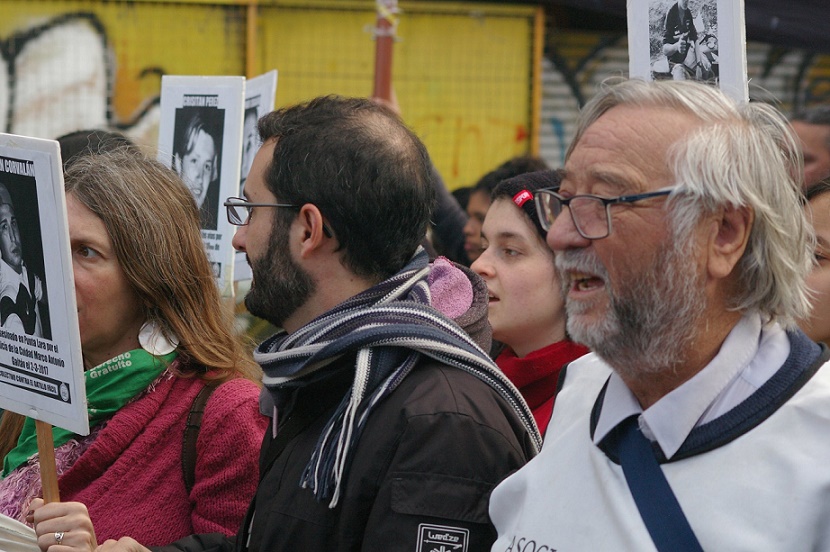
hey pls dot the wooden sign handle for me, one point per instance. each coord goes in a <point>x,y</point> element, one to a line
<point>48,471</point>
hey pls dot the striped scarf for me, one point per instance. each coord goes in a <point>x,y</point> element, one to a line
<point>387,328</point>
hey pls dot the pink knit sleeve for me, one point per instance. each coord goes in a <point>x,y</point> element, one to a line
<point>227,469</point>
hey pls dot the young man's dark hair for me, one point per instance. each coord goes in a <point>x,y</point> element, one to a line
<point>361,177</point>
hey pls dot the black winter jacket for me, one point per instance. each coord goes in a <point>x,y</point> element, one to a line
<point>420,479</point>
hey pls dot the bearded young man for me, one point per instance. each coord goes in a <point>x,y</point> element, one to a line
<point>390,426</point>
<point>700,420</point>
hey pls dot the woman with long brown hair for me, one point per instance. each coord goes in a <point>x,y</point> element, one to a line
<point>154,337</point>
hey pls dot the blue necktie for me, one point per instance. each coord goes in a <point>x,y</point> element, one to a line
<point>661,513</point>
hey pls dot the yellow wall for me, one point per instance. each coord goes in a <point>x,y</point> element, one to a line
<point>463,82</point>
<point>462,72</point>
<point>145,40</point>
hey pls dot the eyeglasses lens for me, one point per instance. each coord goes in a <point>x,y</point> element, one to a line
<point>238,214</point>
<point>589,216</point>
<point>544,209</point>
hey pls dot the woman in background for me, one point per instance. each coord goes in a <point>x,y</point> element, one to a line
<point>817,326</point>
<point>481,196</point>
<point>526,309</point>
<point>154,337</point>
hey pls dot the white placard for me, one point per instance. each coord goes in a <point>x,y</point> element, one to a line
<point>701,40</point>
<point>259,99</point>
<point>41,366</point>
<point>200,137</point>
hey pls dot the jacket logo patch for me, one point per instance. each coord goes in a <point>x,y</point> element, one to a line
<point>440,538</point>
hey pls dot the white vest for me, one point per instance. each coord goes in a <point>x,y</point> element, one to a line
<point>766,490</point>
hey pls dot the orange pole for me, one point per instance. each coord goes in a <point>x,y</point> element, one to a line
<point>384,41</point>
<point>536,87</point>
<point>251,41</point>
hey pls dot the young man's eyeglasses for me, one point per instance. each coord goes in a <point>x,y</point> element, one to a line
<point>591,214</point>
<point>239,210</point>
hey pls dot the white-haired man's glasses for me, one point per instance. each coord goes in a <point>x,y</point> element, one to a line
<point>591,214</point>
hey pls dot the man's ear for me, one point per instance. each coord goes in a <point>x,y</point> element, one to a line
<point>312,228</point>
<point>731,236</point>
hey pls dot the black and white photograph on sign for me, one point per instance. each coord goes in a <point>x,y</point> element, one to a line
<point>24,307</point>
<point>250,142</point>
<point>260,93</point>
<point>701,40</point>
<point>200,137</point>
<point>197,157</point>
<point>41,365</point>
<point>684,40</point>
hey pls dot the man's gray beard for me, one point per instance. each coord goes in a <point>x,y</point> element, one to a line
<point>655,318</point>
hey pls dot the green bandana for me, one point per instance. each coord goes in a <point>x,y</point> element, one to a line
<point>109,386</point>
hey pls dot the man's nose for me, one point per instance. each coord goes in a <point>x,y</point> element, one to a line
<point>563,234</point>
<point>239,238</point>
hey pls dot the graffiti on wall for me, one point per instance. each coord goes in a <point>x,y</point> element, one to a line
<point>86,63</point>
<point>78,64</point>
<point>58,76</point>
<point>576,63</point>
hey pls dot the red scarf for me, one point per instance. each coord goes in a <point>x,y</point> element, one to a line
<point>537,373</point>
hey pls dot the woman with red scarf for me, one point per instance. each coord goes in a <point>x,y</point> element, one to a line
<point>526,309</point>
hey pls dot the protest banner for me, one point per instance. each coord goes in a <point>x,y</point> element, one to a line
<point>260,92</point>
<point>703,40</point>
<point>41,366</point>
<point>200,137</point>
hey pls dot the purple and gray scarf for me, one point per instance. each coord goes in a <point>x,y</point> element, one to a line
<point>387,328</point>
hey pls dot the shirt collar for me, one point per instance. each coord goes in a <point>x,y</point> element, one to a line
<point>670,420</point>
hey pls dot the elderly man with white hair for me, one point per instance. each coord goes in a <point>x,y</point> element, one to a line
<point>20,290</point>
<point>700,421</point>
